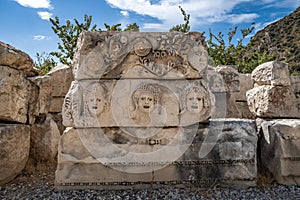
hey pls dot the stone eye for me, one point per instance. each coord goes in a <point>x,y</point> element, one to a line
<point>198,98</point>
<point>143,98</point>
<point>149,99</point>
<point>99,100</point>
<point>191,98</point>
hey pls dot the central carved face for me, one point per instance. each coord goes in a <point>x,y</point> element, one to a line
<point>146,102</point>
<point>95,103</point>
<point>194,102</point>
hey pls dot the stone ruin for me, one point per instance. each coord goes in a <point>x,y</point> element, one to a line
<point>141,112</point>
<point>144,110</point>
<point>30,113</point>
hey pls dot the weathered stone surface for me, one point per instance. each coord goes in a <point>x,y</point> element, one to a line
<point>280,149</point>
<point>274,101</point>
<point>230,77</point>
<point>229,88</point>
<point>224,152</point>
<point>272,73</point>
<point>216,82</point>
<point>295,80</point>
<point>44,140</point>
<point>14,150</point>
<point>240,99</point>
<point>144,55</point>
<point>56,104</point>
<point>60,79</point>
<point>57,117</point>
<point>12,57</point>
<point>18,97</point>
<point>45,92</point>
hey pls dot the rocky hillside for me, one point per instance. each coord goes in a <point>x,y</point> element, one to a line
<point>281,39</point>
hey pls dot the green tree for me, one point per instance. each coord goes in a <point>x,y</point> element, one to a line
<point>228,53</point>
<point>44,62</point>
<point>184,28</point>
<point>132,27</point>
<point>116,27</point>
<point>68,34</point>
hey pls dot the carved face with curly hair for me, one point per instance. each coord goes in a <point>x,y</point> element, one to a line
<point>145,98</point>
<point>195,99</point>
<point>94,100</point>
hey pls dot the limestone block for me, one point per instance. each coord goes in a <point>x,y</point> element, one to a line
<point>229,88</point>
<point>57,117</point>
<point>56,104</point>
<point>45,92</point>
<point>14,150</point>
<point>137,103</point>
<point>273,101</point>
<point>216,81</point>
<point>280,149</point>
<point>271,73</point>
<point>140,55</point>
<point>230,77</point>
<point>44,140</point>
<point>12,57</point>
<point>295,80</point>
<point>224,151</point>
<point>240,99</point>
<point>60,78</point>
<point>18,97</point>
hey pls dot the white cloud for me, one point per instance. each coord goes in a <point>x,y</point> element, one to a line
<point>35,3</point>
<point>236,19</point>
<point>124,13</point>
<point>288,4</point>
<point>167,11</point>
<point>293,4</point>
<point>45,15</point>
<point>260,26</point>
<point>39,37</point>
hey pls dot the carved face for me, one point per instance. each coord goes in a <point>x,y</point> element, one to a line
<point>95,103</point>
<point>146,102</point>
<point>194,102</point>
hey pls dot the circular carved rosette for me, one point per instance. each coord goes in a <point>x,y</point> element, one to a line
<point>141,47</point>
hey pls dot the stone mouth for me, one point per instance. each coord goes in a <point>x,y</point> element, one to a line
<point>146,107</point>
<point>194,107</point>
<point>94,107</point>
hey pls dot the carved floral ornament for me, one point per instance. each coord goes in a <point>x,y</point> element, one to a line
<point>177,50</point>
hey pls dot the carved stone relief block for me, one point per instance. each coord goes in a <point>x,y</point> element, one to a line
<point>140,55</point>
<point>137,103</point>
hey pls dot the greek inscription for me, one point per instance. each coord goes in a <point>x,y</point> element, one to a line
<point>294,158</point>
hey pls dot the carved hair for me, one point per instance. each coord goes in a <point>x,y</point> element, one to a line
<point>146,88</point>
<point>96,89</point>
<point>197,89</point>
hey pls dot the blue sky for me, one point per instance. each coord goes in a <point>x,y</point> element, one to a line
<point>25,23</point>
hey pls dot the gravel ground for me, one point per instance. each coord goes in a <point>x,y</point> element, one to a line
<point>40,186</point>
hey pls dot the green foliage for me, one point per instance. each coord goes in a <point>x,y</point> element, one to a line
<point>184,28</point>
<point>45,62</point>
<point>227,53</point>
<point>132,27</point>
<point>116,27</point>
<point>68,33</point>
